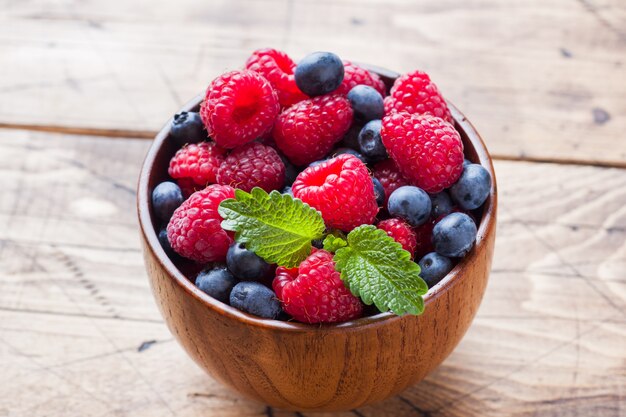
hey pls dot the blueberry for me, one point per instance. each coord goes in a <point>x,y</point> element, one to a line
<point>255,298</point>
<point>187,127</point>
<point>287,190</point>
<point>472,189</point>
<point>244,264</point>
<point>166,197</point>
<point>434,267</point>
<point>454,235</point>
<point>351,139</point>
<point>319,73</point>
<point>466,162</point>
<point>341,151</point>
<point>318,243</point>
<point>367,103</point>
<point>379,192</point>
<point>217,282</point>
<point>441,203</point>
<point>165,243</point>
<point>370,142</point>
<point>291,172</point>
<point>316,163</point>
<point>410,203</point>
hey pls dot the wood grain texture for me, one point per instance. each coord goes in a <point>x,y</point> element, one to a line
<point>549,338</point>
<point>541,80</point>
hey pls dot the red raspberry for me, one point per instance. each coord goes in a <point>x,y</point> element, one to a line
<point>194,231</point>
<point>238,107</point>
<point>401,232</point>
<point>314,292</point>
<point>277,68</point>
<point>355,75</point>
<point>423,238</point>
<point>307,131</point>
<point>188,187</point>
<point>390,177</point>
<point>195,166</point>
<point>416,93</point>
<point>341,189</point>
<point>252,165</point>
<point>427,149</point>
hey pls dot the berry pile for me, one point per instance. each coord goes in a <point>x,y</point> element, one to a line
<point>308,191</point>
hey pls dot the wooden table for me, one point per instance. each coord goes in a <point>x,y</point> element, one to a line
<point>84,84</point>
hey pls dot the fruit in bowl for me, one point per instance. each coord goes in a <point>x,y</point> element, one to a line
<point>327,228</point>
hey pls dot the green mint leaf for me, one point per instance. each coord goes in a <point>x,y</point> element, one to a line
<point>276,227</point>
<point>332,243</point>
<point>379,271</point>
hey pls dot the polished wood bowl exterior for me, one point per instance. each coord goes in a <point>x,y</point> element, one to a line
<point>310,367</point>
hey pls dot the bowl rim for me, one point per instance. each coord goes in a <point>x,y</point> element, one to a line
<point>487,223</point>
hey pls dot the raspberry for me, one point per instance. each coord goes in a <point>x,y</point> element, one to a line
<point>194,230</point>
<point>314,292</point>
<point>277,68</point>
<point>400,232</point>
<point>415,93</point>
<point>355,75</point>
<point>307,131</point>
<point>390,177</point>
<point>427,149</point>
<point>188,187</point>
<point>252,165</point>
<point>195,166</point>
<point>238,107</point>
<point>341,189</point>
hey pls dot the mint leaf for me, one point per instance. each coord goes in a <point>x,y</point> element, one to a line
<point>332,243</point>
<point>379,271</point>
<point>276,227</point>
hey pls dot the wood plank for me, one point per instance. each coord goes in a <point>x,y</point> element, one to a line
<point>75,307</point>
<point>541,80</point>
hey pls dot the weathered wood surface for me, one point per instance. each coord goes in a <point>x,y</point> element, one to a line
<point>542,80</point>
<point>77,320</point>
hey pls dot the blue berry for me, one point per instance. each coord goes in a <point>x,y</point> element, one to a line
<point>434,267</point>
<point>367,103</point>
<point>442,204</point>
<point>291,172</point>
<point>316,163</point>
<point>379,192</point>
<point>472,188</point>
<point>217,282</point>
<point>318,243</point>
<point>370,142</point>
<point>287,190</point>
<point>187,127</point>
<point>340,151</point>
<point>245,264</point>
<point>351,139</point>
<point>255,298</point>
<point>466,162</point>
<point>165,243</point>
<point>166,197</point>
<point>454,235</point>
<point>411,204</point>
<point>319,73</point>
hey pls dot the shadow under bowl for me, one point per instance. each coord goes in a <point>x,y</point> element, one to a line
<point>304,367</point>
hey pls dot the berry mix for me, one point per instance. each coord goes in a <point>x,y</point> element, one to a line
<point>311,193</point>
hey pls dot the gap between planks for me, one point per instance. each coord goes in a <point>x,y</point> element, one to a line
<point>149,135</point>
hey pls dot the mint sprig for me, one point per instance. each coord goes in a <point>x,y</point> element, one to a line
<point>333,242</point>
<point>275,226</point>
<point>379,271</point>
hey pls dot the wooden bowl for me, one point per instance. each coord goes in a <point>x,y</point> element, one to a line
<point>307,367</point>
